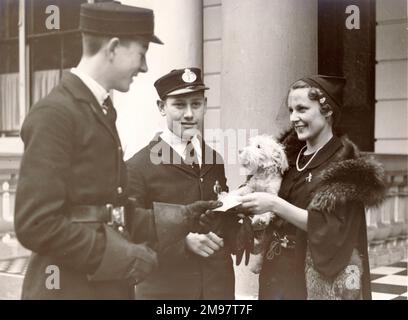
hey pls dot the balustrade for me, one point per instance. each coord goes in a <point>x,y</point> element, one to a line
<point>387,225</point>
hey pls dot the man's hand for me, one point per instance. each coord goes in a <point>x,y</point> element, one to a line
<point>124,260</point>
<point>237,233</point>
<point>145,263</point>
<point>204,245</point>
<point>197,209</point>
<point>208,221</point>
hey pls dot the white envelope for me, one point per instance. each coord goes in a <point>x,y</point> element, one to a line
<point>229,202</point>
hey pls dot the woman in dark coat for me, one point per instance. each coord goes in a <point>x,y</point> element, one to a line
<point>318,245</point>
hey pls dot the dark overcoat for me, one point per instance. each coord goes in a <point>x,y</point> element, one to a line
<point>72,157</point>
<point>156,174</point>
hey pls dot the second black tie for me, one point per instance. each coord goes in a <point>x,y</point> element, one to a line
<point>191,158</point>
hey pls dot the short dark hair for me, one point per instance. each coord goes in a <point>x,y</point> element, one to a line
<point>92,43</point>
<point>315,94</point>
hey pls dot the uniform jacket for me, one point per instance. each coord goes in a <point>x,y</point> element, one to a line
<point>335,188</point>
<point>157,174</point>
<point>72,157</point>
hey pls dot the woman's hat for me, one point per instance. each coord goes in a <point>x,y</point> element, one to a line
<point>331,86</point>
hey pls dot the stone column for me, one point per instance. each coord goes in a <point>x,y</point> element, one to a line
<point>179,24</point>
<point>266,45</point>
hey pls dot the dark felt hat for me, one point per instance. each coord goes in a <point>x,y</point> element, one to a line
<point>118,20</point>
<point>180,81</point>
<point>331,86</point>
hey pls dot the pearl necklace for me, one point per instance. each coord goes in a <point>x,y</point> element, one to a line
<point>298,156</point>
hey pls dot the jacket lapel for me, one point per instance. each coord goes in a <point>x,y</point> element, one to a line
<point>166,155</point>
<point>81,92</point>
<point>210,158</point>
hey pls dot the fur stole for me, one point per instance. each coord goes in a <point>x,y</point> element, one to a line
<point>350,176</point>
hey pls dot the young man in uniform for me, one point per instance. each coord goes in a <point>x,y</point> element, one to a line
<point>178,167</point>
<point>72,189</point>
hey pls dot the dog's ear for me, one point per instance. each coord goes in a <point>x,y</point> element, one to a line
<point>271,159</point>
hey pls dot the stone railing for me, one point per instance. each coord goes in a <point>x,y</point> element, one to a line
<point>387,225</point>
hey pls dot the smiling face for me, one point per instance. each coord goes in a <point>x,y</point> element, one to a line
<point>128,59</point>
<point>184,113</point>
<point>306,116</point>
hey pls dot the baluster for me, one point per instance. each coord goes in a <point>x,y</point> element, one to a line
<point>395,228</point>
<point>383,232</point>
<point>6,201</point>
<point>372,216</point>
<point>403,215</point>
<point>395,253</point>
<point>13,189</point>
<point>371,220</point>
<point>384,222</point>
<point>7,196</point>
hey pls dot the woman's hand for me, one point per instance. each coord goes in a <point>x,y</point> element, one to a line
<point>261,202</point>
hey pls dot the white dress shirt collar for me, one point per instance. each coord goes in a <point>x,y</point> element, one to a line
<point>180,146</point>
<point>98,91</point>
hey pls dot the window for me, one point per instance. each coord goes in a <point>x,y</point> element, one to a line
<point>49,53</point>
<point>9,68</point>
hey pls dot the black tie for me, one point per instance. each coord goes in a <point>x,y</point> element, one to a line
<point>110,111</point>
<point>191,157</point>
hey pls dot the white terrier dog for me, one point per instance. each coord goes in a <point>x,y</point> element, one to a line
<point>265,161</point>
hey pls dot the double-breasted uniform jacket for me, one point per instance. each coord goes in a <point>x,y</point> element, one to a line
<point>335,187</point>
<point>181,274</point>
<point>72,157</point>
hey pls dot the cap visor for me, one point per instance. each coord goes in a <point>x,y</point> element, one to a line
<point>186,90</point>
<point>155,39</point>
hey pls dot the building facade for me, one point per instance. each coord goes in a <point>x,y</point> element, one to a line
<point>250,51</point>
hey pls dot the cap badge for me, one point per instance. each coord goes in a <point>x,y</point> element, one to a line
<point>189,76</point>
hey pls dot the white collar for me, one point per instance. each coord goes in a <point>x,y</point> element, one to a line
<point>98,91</point>
<point>179,145</point>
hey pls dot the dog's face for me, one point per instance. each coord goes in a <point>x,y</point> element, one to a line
<point>263,152</point>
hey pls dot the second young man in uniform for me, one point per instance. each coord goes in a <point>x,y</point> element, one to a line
<point>178,167</point>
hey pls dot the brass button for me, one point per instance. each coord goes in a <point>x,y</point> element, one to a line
<point>120,148</point>
<point>201,179</point>
<point>120,190</point>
